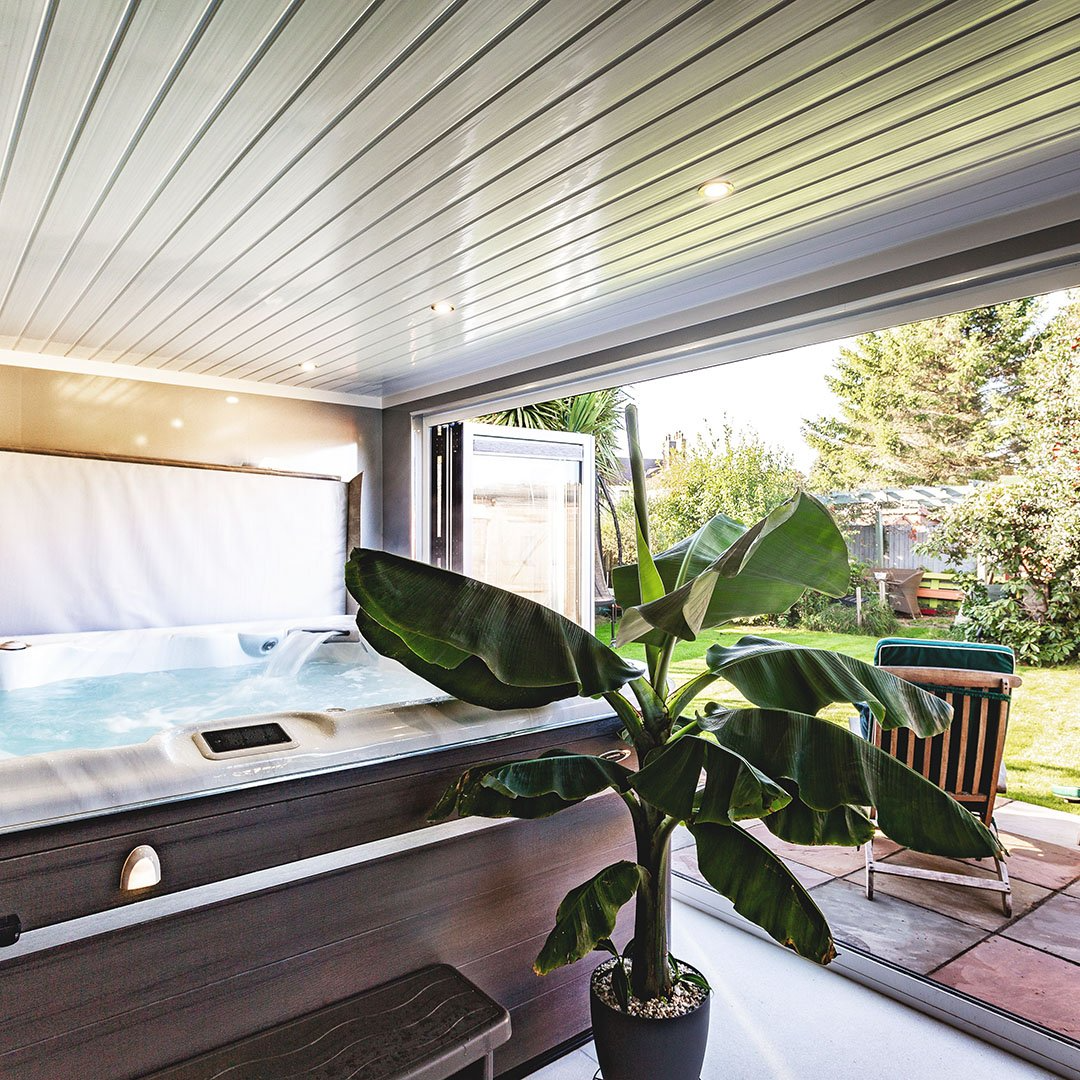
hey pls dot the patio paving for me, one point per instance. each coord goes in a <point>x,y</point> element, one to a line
<point>1028,963</point>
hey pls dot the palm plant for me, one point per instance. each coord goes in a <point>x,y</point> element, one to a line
<point>810,780</point>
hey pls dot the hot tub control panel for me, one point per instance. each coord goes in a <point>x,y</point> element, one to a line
<point>249,739</point>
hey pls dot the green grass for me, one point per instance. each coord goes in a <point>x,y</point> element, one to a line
<point>1042,748</point>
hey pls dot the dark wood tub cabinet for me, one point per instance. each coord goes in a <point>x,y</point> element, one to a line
<point>238,937</point>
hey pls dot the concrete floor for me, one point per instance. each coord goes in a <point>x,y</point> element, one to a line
<point>777,1017</point>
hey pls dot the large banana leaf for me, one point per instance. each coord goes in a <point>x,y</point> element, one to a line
<point>845,826</point>
<point>535,788</point>
<point>833,768</point>
<point>570,776</point>
<point>777,675</point>
<point>587,915</point>
<point>762,889</point>
<point>765,570</point>
<point>680,563</point>
<point>734,789</point>
<point>470,796</point>
<point>477,642</point>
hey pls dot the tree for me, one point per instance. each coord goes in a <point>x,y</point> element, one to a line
<point>921,404</point>
<point>1025,528</point>
<point>734,473</point>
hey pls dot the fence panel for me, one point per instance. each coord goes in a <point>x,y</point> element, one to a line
<point>899,549</point>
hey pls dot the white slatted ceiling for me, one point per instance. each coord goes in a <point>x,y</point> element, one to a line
<point>233,187</point>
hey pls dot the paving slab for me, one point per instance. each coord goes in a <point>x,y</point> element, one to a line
<point>979,907</point>
<point>893,929</point>
<point>1053,927</point>
<point>1038,861</point>
<point>1023,980</point>
<point>1073,890</point>
<point>833,860</point>
<point>1039,822</point>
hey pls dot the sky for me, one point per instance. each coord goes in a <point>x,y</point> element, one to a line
<point>771,395</point>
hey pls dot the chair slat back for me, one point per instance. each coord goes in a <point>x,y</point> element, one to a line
<point>965,759</point>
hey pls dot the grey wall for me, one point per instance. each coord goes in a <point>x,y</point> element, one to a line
<point>397,480</point>
<point>50,410</point>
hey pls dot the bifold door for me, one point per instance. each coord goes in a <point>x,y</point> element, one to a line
<point>516,508</point>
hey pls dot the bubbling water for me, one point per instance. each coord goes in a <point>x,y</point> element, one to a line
<point>119,710</point>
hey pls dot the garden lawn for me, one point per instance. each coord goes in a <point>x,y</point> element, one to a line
<point>1042,748</point>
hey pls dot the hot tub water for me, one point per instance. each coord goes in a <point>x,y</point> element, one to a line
<point>118,710</point>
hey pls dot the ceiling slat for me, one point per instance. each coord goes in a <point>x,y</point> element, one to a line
<point>235,187</point>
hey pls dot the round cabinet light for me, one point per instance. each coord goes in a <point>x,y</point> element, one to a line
<point>716,189</point>
<point>443,307</point>
<point>141,870</point>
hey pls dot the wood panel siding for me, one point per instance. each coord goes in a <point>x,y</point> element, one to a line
<point>62,872</point>
<point>136,999</point>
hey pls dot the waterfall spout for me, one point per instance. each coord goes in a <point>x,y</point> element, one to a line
<point>295,651</point>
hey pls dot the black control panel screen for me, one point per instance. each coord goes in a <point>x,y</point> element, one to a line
<point>224,740</point>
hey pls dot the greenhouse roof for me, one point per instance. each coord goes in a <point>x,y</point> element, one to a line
<point>930,497</point>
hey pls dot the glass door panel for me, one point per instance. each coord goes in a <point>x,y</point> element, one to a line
<point>514,508</point>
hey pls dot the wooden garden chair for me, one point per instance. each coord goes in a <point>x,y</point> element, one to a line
<point>965,759</point>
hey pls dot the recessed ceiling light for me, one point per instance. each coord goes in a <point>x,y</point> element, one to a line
<point>308,365</point>
<point>716,189</point>
<point>442,307</point>
<point>232,399</point>
<point>177,423</point>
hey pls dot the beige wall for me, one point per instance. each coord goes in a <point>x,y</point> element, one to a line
<point>50,410</point>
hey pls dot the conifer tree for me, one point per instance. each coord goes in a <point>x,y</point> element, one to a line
<point>923,403</point>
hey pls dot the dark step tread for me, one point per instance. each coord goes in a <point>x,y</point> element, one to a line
<point>425,1026</point>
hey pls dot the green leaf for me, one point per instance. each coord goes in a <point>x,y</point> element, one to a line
<point>620,986</point>
<point>762,889</point>
<point>795,548</point>
<point>734,789</point>
<point>833,768</point>
<point>587,915</point>
<point>571,777</point>
<point>694,978</point>
<point>534,788</point>
<point>649,582</point>
<point>844,826</point>
<point>470,796</point>
<point>778,675</point>
<point>680,563</point>
<point>478,643</point>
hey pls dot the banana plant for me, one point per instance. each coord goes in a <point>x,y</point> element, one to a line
<point>808,779</point>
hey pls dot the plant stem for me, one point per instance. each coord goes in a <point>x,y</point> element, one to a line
<point>628,715</point>
<point>651,974</point>
<point>659,681</point>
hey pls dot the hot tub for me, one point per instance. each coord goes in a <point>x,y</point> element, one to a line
<point>106,721</point>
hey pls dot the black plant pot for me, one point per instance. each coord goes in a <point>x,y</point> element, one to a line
<point>638,1048</point>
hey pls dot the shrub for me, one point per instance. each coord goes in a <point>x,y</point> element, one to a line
<point>878,619</point>
<point>1053,639</point>
<point>1026,530</point>
<point>817,612</point>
